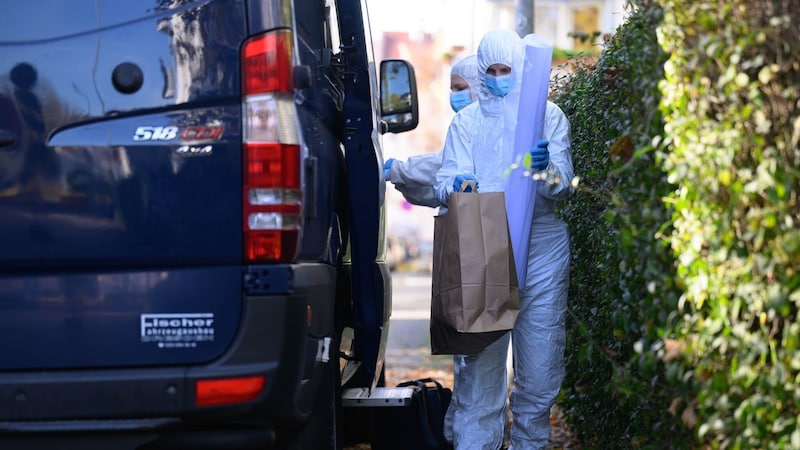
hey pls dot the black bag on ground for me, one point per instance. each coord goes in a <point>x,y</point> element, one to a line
<point>430,400</point>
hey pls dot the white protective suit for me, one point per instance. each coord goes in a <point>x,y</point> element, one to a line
<point>415,177</point>
<point>480,142</point>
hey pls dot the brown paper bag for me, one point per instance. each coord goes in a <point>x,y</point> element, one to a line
<point>445,340</point>
<point>474,282</point>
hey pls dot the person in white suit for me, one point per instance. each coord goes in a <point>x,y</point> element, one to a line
<point>414,178</point>
<point>480,147</point>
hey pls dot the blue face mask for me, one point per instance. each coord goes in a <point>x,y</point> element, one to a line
<point>459,100</point>
<point>499,86</point>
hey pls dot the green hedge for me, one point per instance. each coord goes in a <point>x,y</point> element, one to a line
<point>623,294</point>
<point>686,243</point>
<point>733,126</point>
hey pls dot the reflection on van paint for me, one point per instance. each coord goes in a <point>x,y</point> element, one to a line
<point>124,289</point>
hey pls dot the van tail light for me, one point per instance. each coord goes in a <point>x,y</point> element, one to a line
<point>226,391</point>
<point>272,172</point>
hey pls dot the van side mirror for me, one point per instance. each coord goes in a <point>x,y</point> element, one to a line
<point>399,109</point>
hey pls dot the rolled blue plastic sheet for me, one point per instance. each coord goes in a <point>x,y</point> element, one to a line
<point>521,187</point>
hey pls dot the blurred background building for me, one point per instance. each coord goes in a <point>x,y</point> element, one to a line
<point>435,34</point>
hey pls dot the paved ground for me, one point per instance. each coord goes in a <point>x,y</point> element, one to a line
<point>408,352</point>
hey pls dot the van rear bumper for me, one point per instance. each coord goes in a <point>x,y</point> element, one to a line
<point>281,336</point>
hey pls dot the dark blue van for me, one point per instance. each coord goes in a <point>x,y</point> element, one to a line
<point>191,221</point>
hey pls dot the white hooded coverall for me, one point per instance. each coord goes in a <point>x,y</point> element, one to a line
<point>414,178</point>
<point>480,141</point>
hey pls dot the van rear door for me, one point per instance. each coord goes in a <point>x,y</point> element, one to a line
<point>120,182</point>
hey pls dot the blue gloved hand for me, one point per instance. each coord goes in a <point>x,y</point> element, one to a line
<point>462,177</point>
<point>540,155</point>
<point>386,166</point>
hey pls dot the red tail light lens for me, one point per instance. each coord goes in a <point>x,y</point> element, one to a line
<point>270,245</point>
<point>272,175</point>
<point>226,391</point>
<point>267,63</point>
<point>273,165</point>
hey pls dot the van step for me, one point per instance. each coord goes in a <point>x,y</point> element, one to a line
<point>380,396</point>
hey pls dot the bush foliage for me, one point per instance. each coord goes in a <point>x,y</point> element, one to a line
<point>623,291</point>
<point>731,115</point>
<point>686,245</point>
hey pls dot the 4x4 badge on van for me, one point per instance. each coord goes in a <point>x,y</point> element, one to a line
<point>192,133</point>
<point>195,150</point>
<point>177,330</point>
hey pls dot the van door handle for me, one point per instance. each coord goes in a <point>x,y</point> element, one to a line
<point>6,138</point>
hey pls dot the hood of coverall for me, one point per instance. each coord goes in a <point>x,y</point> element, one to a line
<point>467,69</point>
<point>496,119</point>
<point>500,47</point>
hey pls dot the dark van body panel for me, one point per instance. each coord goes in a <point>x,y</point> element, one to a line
<point>112,201</point>
<point>321,117</point>
<point>94,320</point>
<point>123,274</point>
<point>99,177</point>
<point>149,408</point>
<point>120,200</point>
<point>85,394</point>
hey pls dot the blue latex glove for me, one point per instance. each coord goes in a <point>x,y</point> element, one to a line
<point>462,177</point>
<point>540,156</point>
<point>386,166</point>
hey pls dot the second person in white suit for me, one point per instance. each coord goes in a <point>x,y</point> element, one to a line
<point>415,177</point>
